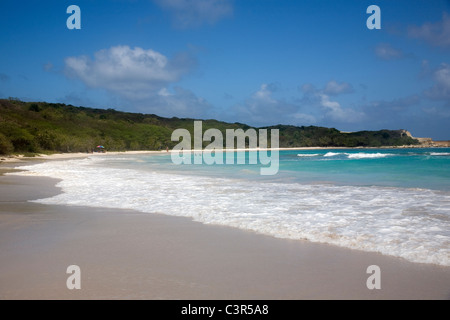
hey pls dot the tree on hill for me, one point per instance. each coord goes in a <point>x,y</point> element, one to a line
<point>54,127</point>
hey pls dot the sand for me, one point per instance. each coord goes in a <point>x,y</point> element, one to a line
<point>125,254</point>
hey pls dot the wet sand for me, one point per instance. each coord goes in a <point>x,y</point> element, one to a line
<point>125,254</point>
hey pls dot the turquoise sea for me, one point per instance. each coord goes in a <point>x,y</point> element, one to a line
<point>410,168</point>
<point>392,201</point>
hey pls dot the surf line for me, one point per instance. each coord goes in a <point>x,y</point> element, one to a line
<point>213,152</point>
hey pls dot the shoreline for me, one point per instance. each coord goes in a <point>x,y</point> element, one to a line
<point>64,156</point>
<point>125,254</point>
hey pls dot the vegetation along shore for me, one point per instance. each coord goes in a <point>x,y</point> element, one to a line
<point>39,127</point>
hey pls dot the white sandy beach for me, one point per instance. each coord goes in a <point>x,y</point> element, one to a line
<point>125,254</point>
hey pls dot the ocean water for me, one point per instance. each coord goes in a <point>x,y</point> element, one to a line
<point>392,201</point>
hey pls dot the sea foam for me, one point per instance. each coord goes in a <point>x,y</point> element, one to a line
<point>307,154</point>
<point>359,155</point>
<point>439,153</point>
<point>362,155</point>
<point>410,223</point>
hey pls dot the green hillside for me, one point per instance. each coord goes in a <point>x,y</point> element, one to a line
<point>35,127</point>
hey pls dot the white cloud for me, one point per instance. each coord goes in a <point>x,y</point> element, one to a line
<point>330,110</point>
<point>133,73</point>
<point>264,96</point>
<point>164,92</point>
<point>316,106</point>
<point>436,34</point>
<point>325,102</point>
<point>386,52</point>
<point>180,103</point>
<point>141,78</point>
<point>336,88</point>
<point>262,108</point>
<point>441,88</point>
<point>334,110</point>
<point>193,13</point>
<point>442,75</point>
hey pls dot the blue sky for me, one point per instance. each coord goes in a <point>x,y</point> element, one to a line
<point>260,62</point>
